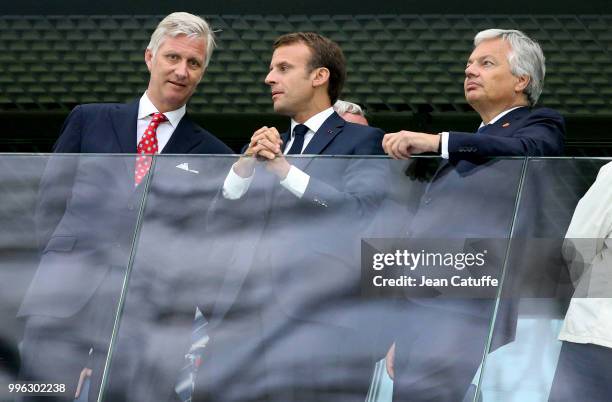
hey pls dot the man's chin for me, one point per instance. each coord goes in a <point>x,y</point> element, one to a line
<point>280,109</point>
<point>175,103</point>
<point>472,98</point>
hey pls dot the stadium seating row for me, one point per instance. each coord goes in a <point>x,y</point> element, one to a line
<point>396,62</point>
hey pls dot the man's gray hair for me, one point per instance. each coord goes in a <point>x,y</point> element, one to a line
<point>182,23</point>
<point>342,107</point>
<point>525,58</point>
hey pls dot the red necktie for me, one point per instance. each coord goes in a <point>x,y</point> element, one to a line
<point>147,146</point>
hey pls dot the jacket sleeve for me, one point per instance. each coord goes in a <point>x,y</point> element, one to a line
<point>541,134</point>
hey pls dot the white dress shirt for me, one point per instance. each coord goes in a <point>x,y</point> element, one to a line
<point>165,129</point>
<point>296,181</point>
<point>444,135</point>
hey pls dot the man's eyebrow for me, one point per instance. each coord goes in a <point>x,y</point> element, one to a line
<point>280,63</point>
<point>488,55</point>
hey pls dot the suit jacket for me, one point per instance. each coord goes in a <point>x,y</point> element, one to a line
<point>296,262</point>
<point>88,204</point>
<point>473,196</point>
<point>340,191</point>
<point>522,132</point>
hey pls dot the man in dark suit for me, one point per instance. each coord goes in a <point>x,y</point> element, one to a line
<point>288,331</point>
<point>89,206</point>
<point>470,196</point>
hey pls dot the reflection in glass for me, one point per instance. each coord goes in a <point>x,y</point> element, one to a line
<point>537,284</point>
<point>585,360</point>
<point>85,217</point>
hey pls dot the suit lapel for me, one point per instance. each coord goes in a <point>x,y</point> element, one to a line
<point>123,120</point>
<point>506,124</point>
<point>286,136</point>
<point>183,139</point>
<point>326,133</point>
<point>330,128</point>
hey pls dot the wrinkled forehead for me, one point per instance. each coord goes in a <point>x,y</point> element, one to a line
<point>296,53</point>
<point>497,48</point>
<point>183,41</point>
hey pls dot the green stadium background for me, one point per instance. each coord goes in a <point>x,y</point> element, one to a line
<point>405,62</point>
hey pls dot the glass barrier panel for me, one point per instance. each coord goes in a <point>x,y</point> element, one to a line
<point>559,236</point>
<point>68,224</point>
<point>320,285</point>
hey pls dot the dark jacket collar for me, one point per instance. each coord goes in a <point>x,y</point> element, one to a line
<point>184,138</point>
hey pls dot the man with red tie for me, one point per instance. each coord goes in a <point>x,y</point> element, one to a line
<point>89,205</point>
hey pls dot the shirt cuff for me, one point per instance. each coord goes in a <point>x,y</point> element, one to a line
<point>444,148</point>
<point>296,181</point>
<point>234,186</point>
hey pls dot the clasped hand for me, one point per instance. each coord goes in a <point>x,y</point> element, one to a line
<point>265,146</point>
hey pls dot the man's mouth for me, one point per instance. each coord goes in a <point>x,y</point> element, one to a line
<point>275,94</point>
<point>178,84</point>
<point>470,85</point>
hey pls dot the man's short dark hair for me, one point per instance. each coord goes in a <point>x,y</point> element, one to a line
<point>325,53</point>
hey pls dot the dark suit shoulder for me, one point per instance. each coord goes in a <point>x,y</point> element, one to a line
<point>84,119</point>
<point>360,129</point>
<point>210,143</point>
<point>93,108</point>
<point>544,113</point>
<point>522,132</point>
<point>368,139</point>
<point>193,139</point>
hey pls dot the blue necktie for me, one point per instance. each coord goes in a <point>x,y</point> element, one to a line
<point>193,359</point>
<point>298,139</point>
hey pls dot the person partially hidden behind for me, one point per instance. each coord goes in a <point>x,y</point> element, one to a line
<point>585,362</point>
<point>504,77</point>
<point>87,213</point>
<point>350,112</point>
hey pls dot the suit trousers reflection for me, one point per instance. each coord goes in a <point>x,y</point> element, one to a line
<point>55,350</point>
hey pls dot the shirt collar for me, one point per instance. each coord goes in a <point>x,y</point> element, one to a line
<point>315,122</point>
<point>146,108</point>
<point>499,116</point>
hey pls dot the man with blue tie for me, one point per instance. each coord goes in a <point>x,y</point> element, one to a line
<point>304,82</point>
<point>89,205</point>
<point>470,196</point>
<point>296,247</point>
<point>504,78</point>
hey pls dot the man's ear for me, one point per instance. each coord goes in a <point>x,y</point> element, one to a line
<point>148,58</point>
<point>521,83</point>
<point>321,76</point>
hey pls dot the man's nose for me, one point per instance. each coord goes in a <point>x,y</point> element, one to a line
<point>270,78</point>
<point>182,70</point>
<point>471,71</point>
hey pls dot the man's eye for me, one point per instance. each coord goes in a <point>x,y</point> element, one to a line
<point>194,63</point>
<point>172,57</point>
<point>487,63</point>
